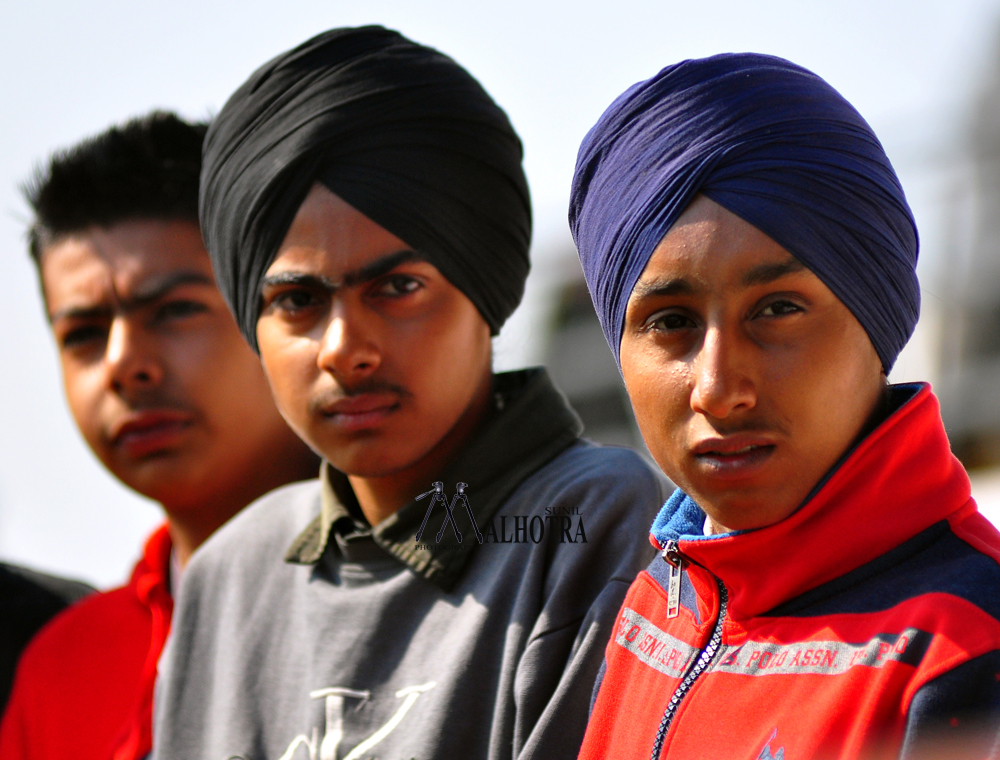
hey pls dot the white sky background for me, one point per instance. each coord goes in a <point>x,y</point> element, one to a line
<point>71,69</point>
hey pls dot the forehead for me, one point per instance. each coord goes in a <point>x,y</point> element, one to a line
<point>330,235</point>
<point>710,248</point>
<point>98,265</point>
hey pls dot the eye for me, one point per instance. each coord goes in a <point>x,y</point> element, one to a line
<point>779,308</point>
<point>179,309</point>
<point>83,335</point>
<point>295,300</point>
<point>396,285</point>
<point>669,322</point>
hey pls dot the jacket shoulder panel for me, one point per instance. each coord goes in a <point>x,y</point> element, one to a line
<point>934,561</point>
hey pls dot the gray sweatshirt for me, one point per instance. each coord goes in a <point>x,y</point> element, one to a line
<point>302,633</point>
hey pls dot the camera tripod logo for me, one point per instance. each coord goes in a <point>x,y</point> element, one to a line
<point>437,494</point>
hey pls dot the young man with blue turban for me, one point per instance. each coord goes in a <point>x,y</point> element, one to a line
<point>825,585</point>
<point>368,220</point>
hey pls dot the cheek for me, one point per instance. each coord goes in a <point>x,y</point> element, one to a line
<point>290,367</point>
<point>84,389</point>
<point>447,353</point>
<point>207,361</point>
<point>658,391</point>
<point>236,385</point>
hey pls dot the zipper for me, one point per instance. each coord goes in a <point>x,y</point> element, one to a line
<point>672,556</point>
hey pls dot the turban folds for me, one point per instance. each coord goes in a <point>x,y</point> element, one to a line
<point>772,143</point>
<point>399,131</point>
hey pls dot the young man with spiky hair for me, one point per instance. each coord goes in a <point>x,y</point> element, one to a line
<point>168,397</point>
<point>368,219</point>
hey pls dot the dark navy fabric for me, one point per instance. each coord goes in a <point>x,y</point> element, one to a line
<point>774,144</point>
<point>935,561</point>
<point>398,130</point>
<point>958,708</point>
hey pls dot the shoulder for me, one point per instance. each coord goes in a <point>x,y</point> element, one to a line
<point>259,535</point>
<point>610,470</point>
<point>936,572</point>
<point>960,708</point>
<point>972,552</point>
<point>598,502</point>
<point>85,628</point>
<point>613,490</point>
<point>28,600</point>
<point>23,587</point>
<point>268,524</point>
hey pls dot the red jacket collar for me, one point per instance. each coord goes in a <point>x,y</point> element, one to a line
<point>151,583</point>
<point>151,575</point>
<point>899,480</point>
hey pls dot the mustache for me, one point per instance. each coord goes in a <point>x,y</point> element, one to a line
<point>154,400</point>
<point>141,403</point>
<point>759,426</point>
<point>370,385</point>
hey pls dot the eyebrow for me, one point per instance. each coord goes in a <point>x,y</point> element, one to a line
<point>149,293</point>
<point>367,273</point>
<point>758,275</point>
<point>767,273</point>
<point>658,288</point>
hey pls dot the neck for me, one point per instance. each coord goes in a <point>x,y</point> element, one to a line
<point>186,536</point>
<point>383,496</point>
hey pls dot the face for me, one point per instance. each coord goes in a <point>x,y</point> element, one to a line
<point>161,384</point>
<point>374,357</point>
<point>748,377</point>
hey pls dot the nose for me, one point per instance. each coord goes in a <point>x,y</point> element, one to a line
<point>348,351</point>
<point>131,361</point>
<point>722,382</point>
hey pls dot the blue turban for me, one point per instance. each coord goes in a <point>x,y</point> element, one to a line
<point>772,143</point>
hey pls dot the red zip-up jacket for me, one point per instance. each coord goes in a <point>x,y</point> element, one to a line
<point>84,686</point>
<point>864,625</point>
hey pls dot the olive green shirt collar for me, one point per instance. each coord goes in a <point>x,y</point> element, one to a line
<point>531,423</point>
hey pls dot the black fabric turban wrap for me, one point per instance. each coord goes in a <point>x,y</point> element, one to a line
<point>398,130</point>
<point>775,145</point>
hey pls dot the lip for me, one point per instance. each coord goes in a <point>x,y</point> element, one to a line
<point>364,411</point>
<point>140,434</point>
<point>734,457</point>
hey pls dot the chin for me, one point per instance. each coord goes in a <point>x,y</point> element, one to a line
<point>162,473</point>
<point>742,511</point>
<point>362,462</point>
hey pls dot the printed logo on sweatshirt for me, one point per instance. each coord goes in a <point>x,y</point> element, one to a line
<point>559,524</point>
<point>766,754</point>
<point>824,657</point>
<point>671,656</point>
<point>653,646</point>
<point>336,700</point>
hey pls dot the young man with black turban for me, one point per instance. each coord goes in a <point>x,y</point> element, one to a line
<point>368,219</point>
<point>826,587</point>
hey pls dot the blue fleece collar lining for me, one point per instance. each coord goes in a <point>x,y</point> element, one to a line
<point>682,519</point>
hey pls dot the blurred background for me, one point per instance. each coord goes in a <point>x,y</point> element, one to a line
<point>925,74</point>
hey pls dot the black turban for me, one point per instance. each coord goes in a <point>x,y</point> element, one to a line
<point>399,131</point>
